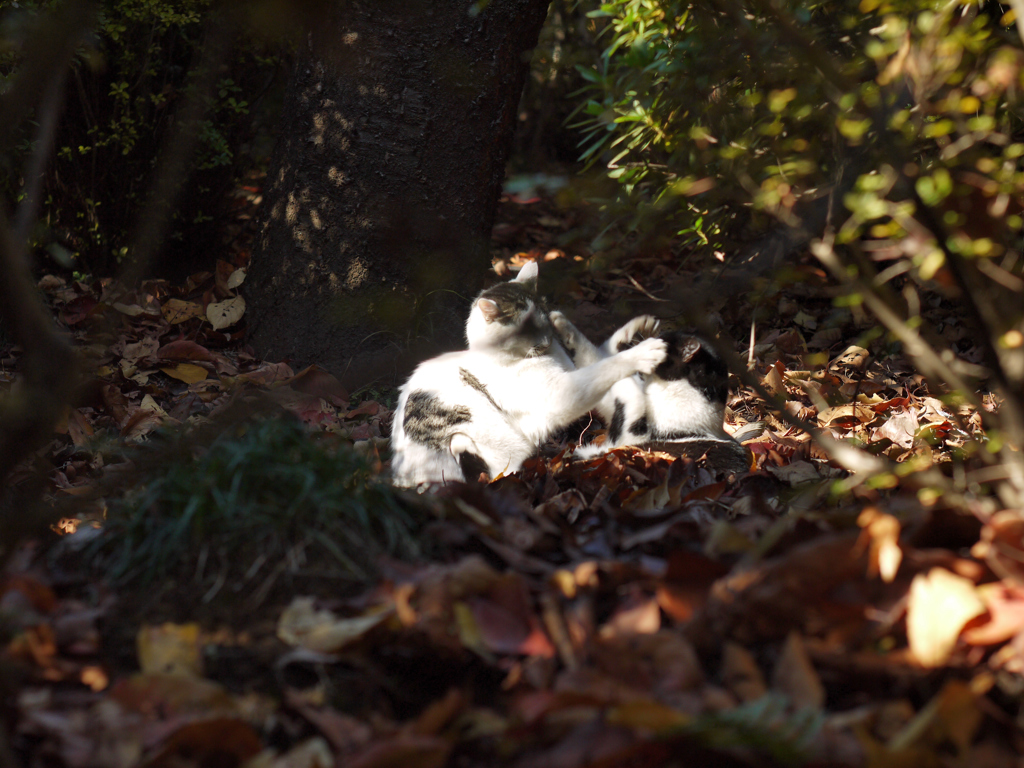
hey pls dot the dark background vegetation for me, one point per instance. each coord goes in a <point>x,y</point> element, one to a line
<point>859,156</point>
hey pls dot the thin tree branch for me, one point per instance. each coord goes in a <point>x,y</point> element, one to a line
<point>35,170</point>
<point>49,49</point>
<point>174,165</point>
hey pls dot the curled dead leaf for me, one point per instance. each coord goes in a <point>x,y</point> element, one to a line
<point>852,357</point>
<point>320,630</point>
<point>881,534</point>
<point>848,415</point>
<point>774,381</point>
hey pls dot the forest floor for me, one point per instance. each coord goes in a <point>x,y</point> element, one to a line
<point>631,610</point>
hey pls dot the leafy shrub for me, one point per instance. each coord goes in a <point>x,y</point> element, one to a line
<point>891,129</point>
<point>703,111</point>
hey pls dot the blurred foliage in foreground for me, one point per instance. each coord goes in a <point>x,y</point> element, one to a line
<point>890,130</point>
<point>263,501</point>
<point>121,100</point>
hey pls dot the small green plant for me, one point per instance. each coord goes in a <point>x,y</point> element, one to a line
<point>768,725</point>
<point>265,496</point>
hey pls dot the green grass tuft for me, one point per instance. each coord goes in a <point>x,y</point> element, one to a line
<point>263,498</point>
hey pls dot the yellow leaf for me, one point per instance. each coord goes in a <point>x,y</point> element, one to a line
<point>186,372</point>
<point>171,649</point>
<point>939,606</point>
<point>469,631</point>
<point>178,311</point>
<point>225,313</point>
<point>647,715</point>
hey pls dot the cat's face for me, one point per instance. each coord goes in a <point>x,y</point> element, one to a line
<point>509,316</point>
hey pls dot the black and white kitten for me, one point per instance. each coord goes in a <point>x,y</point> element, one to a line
<point>488,408</point>
<point>679,407</point>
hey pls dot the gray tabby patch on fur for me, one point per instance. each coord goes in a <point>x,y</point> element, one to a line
<point>485,410</point>
<point>679,408</point>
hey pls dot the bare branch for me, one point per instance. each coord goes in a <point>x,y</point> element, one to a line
<point>35,170</point>
<point>48,50</point>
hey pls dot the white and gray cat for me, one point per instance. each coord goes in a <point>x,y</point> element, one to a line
<point>489,408</point>
<point>678,408</point>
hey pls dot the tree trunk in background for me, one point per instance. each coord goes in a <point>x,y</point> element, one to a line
<point>384,182</point>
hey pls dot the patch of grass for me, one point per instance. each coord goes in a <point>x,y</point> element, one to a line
<point>256,503</point>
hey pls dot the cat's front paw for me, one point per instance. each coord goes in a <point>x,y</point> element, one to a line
<point>562,325</point>
<point>565,330</point>
<point>648,354</point>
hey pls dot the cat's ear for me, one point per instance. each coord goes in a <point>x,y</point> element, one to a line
<point>690,347</point>
<point>489,309</point>
<point>528,275</point>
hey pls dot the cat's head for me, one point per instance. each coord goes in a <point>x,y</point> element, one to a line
<point>510,317</point>
<point>693,359</point>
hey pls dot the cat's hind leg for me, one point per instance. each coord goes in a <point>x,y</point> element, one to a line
<point>624,410</point>
<point>467,454</point>
<point>644,325</point>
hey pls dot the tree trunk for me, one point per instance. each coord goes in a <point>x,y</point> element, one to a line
<point>384,182</point>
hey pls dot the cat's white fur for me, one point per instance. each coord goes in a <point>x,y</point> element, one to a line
<point>526,396</point>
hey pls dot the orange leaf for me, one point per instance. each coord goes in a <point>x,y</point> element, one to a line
<point>1006,615</point>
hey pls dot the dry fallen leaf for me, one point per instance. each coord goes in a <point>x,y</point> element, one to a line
<point>225,313</point>
<point>149,404</point>
<point>171,649</point>
<point>774,381</point>
<point>320,630</point>
<point>186,372</point>
<point>796,473</point>
<point>236,279</point>
<point>178,311</point>
<point>850,414</point>
<point>741,674</point>
<point>900,428</point>
<point>881,534</point>
<point>939,606</point>
<point>140,349</point>
<point>852,357</point>
<point>795,675</point>
<point>1005,605</point>
<point>311,753</point>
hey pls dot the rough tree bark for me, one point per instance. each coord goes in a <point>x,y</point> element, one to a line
<point>383,186</point>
